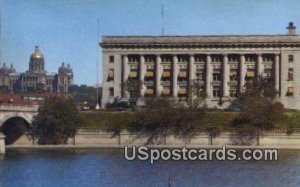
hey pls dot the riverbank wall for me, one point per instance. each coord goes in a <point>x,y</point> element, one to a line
<point>275,138</point>
<point>97,138</point>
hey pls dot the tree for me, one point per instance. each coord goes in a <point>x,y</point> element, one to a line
<point>84,93</point>
<point>133,86</point>
<point>57,120</point>
<point>259,109</point>
<point>291,122</point>
<point>161,117</point>
<point>196,90</point>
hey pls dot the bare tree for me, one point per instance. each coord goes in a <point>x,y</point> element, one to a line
<point>133,87</point>
<point>196,94</point>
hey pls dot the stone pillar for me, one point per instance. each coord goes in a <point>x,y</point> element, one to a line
<point>242,73</point>
<point>192,69</point>
<point>208,76</point>
<point>125,73</point>
<point>260,67</point>
<point>142,74</point>
<point>175,76</point>
<point>277,73</point>
<point>158,75</point>
<point>2,143</point>
<point>225,76</point>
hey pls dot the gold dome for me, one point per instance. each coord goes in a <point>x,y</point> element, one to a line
<point>37,53</point>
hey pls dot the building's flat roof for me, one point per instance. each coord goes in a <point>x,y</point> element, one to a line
<point>200,39</point>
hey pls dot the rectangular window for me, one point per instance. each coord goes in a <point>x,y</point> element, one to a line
<point>250,58</point>
<point>216,76</point>
<point>290,91</point>
<point>232,59</point>
<point>267,73</point>
<point>216,58</point>
<point>200,74</point>
<point>111,59</point>
<point>150,67</point>
<point>233,92</point>
<point>133,75</point>
<point>182,74</point>
<point>110,75</point>
<point>250,74</point>
<point>150,58</point>
<point>183,58</point>
<point>291,58</point>
<point>166,74</point>
<point>149,91</point>
<point>216,91</point>
<point>233,75</point>
<point>149,74</point>
<point>166,91</point>
<point>166,59</point>
<point>200,77</point>
<point>200,58</point>
<point>182,91</point>
<point>291,74</point>
<point>133,58</point>
<point>111,91</point>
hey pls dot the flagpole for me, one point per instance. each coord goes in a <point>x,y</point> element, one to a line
<point>162,18</point>
<point>97,69</point>
<point>1,31</point>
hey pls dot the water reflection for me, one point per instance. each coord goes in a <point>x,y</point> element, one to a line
<point>109,168</point>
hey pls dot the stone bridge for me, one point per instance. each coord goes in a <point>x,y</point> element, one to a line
<point>26,112</point>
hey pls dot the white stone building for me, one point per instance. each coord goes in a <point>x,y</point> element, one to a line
<point>169,65</point>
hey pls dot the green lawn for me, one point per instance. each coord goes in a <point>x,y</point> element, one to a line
<point>103,119</point>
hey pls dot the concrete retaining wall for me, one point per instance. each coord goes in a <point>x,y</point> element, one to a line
<point>85,137</point>
<point>104,138</point>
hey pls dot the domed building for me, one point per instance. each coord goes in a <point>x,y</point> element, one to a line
<point>8,77</point>
<point>64,78</point>
<point>36,79</point>
<point>36,63</point>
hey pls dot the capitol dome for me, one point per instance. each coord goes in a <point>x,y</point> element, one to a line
<point>37,53</point>
<point>36,63</point>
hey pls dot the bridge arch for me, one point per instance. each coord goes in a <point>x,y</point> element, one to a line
<point>17,130</point>
<point>9,116</point>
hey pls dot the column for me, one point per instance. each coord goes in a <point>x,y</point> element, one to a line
<point>175,76</point>
<point>277,72</point>
<point>208,76</point>
<point>142,74</point>
<point>242,73</point>
<point>191,76</point>
<point>125,73</point>
<point>192,69</point>
<point>260,69</point>
<point>225,76</point>
<point>158,75</point>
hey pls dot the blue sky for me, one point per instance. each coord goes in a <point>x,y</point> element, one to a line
<point>66,30</point>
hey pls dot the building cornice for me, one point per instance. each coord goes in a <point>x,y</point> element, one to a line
<point>250,41</point>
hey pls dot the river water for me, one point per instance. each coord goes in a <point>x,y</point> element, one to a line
<point>53,168</point>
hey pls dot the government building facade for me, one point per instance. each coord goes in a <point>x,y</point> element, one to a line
<point>169,66</point>
<point>36,79</point>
